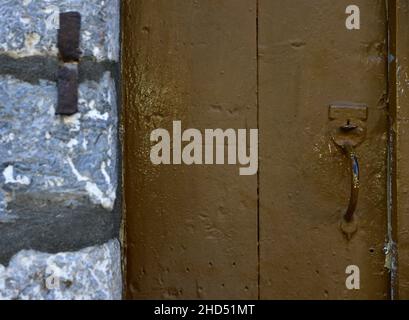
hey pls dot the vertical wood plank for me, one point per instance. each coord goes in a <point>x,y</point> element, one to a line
<point>191,231</point>
<point>307,60</point>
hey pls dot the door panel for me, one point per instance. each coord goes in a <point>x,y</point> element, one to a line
<point>191,230</point>
<point>308,60</point>
<point>207,232</point>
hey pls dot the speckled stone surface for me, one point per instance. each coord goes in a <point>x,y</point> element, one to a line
<point>29,27</point>
<point>59,175</point>
<point>66,160</point>
<point>93,273</point>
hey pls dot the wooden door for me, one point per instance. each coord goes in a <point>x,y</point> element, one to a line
<point>205,231</point>
<point>308,60</point>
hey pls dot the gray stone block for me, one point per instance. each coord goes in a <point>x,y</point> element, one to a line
<point>29,27</point>
<point>58,174</point>
<point>69,160</point>
<point>93,273</point>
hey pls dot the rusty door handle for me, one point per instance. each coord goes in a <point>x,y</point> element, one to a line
<point>354,167</point>
<point>348,131</point>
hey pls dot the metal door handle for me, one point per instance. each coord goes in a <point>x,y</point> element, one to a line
<point>353,199</point>
<point>348,130</point>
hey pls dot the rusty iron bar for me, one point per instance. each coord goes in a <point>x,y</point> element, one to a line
<point>69,54</point>
<point>69,36</point>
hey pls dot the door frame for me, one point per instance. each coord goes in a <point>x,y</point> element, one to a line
<point>397,249</point>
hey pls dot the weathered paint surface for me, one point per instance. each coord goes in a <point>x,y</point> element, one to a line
<point>308,60</point>
<point>191,231</point>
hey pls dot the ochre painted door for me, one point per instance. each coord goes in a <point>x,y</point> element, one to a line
<point>207,232</point>
<point>191,230</point>
<point>308,60</point>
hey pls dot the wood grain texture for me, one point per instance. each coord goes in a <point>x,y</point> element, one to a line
<point>191,231</point>
<point>307,60</point>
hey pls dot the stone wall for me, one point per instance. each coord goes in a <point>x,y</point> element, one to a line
<point>59,175</point>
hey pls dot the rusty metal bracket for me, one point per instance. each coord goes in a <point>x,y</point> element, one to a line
<point>69,36</point>
<point>67,85</point>
<point>348,123</point>
<point>69,54</point>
